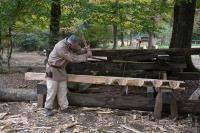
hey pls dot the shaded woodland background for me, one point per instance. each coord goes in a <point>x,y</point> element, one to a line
<point>28,25</point>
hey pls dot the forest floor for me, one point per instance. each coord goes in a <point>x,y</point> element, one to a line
<point>21,117</point>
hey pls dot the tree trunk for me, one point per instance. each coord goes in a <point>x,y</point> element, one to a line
<point>184,13</point>
<point>1,53</point>
<point>131,39</point>
<point>122,39</point>
<point>151,42</point>
<point>54,24</point>
<point>115,36</point>
<point>115,39</point>
<point>10,47</point>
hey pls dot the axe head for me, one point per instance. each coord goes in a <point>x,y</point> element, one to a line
<point>84,26</point>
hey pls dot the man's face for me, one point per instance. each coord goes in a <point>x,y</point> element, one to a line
<point>75,47</point>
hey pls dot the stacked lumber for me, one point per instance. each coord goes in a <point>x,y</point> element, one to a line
<point>138,63</point>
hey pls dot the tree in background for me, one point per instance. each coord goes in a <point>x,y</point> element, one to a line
<point>54,23</point>
<point>184,12</point>
<point>11,11</point>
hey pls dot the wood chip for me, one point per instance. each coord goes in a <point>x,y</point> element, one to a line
<point>69,125</point>
<point>58,130</point>
<point>162,129</point>
<point>134,117</point>
<point>91,109</point>
<point>131,129</point>
<point>104,112</point>
<point>42,128</point>
<point>2,115</point>
<point>65,126</point>
<point>76,130</point>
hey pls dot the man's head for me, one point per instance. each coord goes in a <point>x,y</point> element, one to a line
<point>73,42</point>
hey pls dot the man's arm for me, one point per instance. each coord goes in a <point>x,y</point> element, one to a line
<point>82,51</point>
<point>72,57</point>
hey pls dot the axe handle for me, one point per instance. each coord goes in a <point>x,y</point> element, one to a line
<point>98,58</point>
<point>83,39</point>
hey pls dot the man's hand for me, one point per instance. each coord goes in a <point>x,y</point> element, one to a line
<point>89,53</point>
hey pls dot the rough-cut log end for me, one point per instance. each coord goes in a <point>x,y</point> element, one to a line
<point>174,85</point>
<point>157,83</point>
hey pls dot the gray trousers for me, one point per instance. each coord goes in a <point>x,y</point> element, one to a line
<point>58,88</point>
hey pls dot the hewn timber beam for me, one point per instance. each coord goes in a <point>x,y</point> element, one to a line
<point>140,52</point>
<point>128,65</point>
<point>107,80</point>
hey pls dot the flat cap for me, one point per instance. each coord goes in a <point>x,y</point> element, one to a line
<point>73,39</point>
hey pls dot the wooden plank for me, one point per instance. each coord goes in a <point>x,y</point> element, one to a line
<point>107,80</point>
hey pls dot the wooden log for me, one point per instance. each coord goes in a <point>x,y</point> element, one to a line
<point>127,65</point>
<point>127,102</point>
<point>188,75</point>
<point>136,102</point>
<point>121,81</point>
<point>10,95</point>
<point>134,52</point>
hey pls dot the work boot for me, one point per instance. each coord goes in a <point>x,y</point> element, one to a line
<point>49,112</point>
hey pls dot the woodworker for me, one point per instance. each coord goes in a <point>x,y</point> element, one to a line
<point>65,51</point>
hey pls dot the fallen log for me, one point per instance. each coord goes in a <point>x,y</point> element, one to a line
<point>121,81</point>
<point>14,95</point>
<point>135,102</point>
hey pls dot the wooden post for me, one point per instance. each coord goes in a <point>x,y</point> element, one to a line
<point>196,124</point>
<point>125,90</point>
<point>40,100</point>
<point>159,101</point>
<point>173,106</point>
<point>158,105</point>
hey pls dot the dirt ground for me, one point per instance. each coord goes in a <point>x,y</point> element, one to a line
<point>23,117</point>
<point>26,118</point>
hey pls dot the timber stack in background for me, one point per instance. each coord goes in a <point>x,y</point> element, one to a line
<point>147,63</point>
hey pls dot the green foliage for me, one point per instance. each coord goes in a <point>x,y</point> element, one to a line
<point>98,34</point>
<point>31,41</point>
<point>128,15</point>
<point>31,16</point>
<point>198,4</point>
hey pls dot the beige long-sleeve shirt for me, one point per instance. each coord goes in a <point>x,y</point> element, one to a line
<point>60,56</point>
